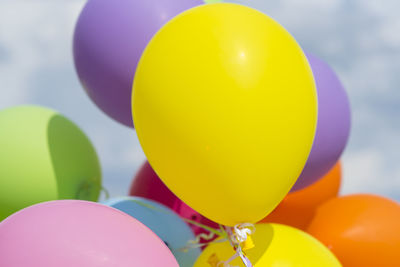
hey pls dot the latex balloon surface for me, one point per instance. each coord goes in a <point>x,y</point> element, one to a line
<point>298,208</point>
<point>44,156</point>
<point>333,127</point>
<point>67,233</point>
<point>147,184</point>
<point>362,230</point>
<point>224,103</point>
<point>275,245</point>
<point>168,226</point>
<point>109,39</point>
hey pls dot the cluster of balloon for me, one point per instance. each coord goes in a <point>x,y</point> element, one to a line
<point>109,39</point>
<point>362,230</point>
<point>44,156</point>
<point>147,184</point>
<point>217,101</point>
<point>298,208</point>
<point>226,113</point>
<point>164,223</point>
<point>79,233</point>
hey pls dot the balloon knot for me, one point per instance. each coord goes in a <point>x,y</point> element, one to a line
<point>241,233</point>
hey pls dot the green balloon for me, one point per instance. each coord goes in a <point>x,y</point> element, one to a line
<point>212,1</point>
<point>44,156</point>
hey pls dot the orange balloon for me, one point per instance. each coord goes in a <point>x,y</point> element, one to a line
<point>361,230</point>
<point>297,209</point>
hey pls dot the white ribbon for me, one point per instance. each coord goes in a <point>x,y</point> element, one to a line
<point>241,231</point>
<point>226,263</point>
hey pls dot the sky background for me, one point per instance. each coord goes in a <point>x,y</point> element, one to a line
<point>360,39</point>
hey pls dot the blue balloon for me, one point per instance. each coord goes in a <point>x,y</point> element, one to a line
<point>163,222</point>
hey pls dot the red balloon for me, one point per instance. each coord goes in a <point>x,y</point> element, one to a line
<point>147,184</point>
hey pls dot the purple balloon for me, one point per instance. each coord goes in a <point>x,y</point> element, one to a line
<point>333,125</point>
<point>109,39</point>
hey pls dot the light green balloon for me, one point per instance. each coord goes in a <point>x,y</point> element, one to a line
<point>212,1</point>
<point>44,156</point>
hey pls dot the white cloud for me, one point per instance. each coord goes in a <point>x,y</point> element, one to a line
<point>359,38</point>
<point>366,171</point>
<point>38,69</point>
<point>32,35</point>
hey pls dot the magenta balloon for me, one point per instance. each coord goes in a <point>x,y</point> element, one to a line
<point>333,125</point>
<point>147,184</point>
<point>67,233</point>
<point>110,37</point>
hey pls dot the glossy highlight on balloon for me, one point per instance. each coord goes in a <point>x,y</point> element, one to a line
<point>224,103</point>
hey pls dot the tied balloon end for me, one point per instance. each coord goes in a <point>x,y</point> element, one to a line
<point>241,232</point>
<point>239,237</point>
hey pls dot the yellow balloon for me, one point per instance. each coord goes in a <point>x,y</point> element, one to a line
<point>224,104</point>
<point>276,245</point>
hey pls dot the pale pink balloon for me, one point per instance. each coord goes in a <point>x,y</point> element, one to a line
<point>67,233</point>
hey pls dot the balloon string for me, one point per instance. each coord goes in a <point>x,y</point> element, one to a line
<point>207,237</point>
<point>237,236</point>
<point>106,193</point>
<point>196,244</point>
<point>226,263</point>
<point>220,233</point>
<point>204,236</point>
<point>241,231</point>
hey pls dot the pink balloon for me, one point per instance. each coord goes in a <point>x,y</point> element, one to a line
<point>67,233</point>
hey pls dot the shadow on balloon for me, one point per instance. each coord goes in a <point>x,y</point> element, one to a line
<point>73,178</point>
<point>223,251</point>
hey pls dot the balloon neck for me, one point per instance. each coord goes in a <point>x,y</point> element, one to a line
<point>240,233</point>
<point>240,240</point>
<point>105,192</point>
<point>238,236</point>
<point>85,190</point>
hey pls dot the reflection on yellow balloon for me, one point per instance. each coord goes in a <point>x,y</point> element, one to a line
<point>225,108</point>
<point>276,245</point>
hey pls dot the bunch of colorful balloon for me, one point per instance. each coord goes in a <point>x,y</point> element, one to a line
<point>244,129</point>
<point>215,123</point>
<point>225,109</point>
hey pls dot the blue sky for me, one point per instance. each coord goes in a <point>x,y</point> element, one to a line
<point>359,38</point>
